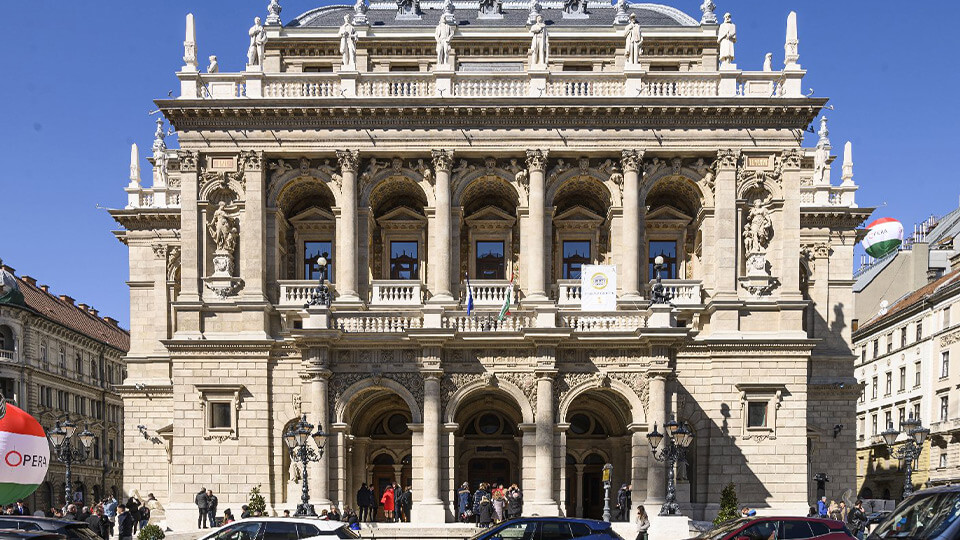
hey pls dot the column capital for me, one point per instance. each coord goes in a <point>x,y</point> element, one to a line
<point>349,160</point>
<point>442,160</point>
<point>546,373</point>
<point>791,158</point>
<point>431,373</point>
<point>630,160</point>
<point>727,158</point>
<point>537,159</point>
<point>188,160</point>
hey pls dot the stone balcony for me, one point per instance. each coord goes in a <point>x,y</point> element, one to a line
<point>472,85</point>
<point>8,357</point>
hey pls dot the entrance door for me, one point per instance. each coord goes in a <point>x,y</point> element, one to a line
<point>490,470</point>
<point>592,494</point>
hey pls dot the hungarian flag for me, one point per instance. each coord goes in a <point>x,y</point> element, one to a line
<point>507,299</point>
<point>883,237</point>
<point>469,295</point>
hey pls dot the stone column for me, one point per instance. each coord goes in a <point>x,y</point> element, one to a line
<point>316,368</point>
<point>656,471</point>
<point>632,226</point>
<point>440,252</point>
<point>579,467</point>
<point>790,226</point>
<point>543,501</point>
<point>535,258</point>
<point>638,456</point>
<point>430,509</point>
<point>345,259</point>
<point>726,229</point>
<point>253,251</point>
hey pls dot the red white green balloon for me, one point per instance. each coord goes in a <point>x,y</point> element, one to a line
<point>884,236</point>
<point>24,455</point>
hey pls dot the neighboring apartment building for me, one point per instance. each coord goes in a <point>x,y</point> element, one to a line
<point>61,358</point>
<point>408,172</point>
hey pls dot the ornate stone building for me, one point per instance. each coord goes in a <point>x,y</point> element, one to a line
<point>61,358</point>
<point>413,144</point>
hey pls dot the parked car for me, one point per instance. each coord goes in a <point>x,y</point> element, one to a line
<point>72,530</point>
<point>930,514</point>
<point>554,528</point>
<point>13,534</point>
<point>877,517</point>
<point>776,528</point>
<point>265,528</point>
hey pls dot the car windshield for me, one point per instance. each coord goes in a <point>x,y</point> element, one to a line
<point>81,532</point>
<point>723,529</point>
<point>518,530</point>
<point>921,517</point>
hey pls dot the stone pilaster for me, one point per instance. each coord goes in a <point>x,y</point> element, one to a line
<point>656,471</point>
<point>345,260</point>
<point>430,509</point>
<point>253,249</point>
<point>534,257</point>
<point>440,250</point>
<point>726,230</point>
<point>790,228</point>
<point>543,502</point>
<point>633,218</point>
<point>316,362</point>
<point>190,229</point>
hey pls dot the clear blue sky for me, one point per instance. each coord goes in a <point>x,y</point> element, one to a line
<point>81,77</point>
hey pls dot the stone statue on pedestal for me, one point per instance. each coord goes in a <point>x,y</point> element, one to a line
<point>726,37</point>
<point>444,35</point>
<point>759,227</point>
<point>214,67</point>
<point>348,43</point>
<point>633,40</point>
<point>258,41</point>
<point>768,62</point>
<point>159,156</point>
<point>709,17</point>
<point>540,43</point>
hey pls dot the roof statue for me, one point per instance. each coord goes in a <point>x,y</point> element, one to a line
<point>621,17</point>
<point>535,10</point>
<point>633,41</point>
<point>360,12</point>
<point>490,9</point>
<point>273,10</point>
<point>709,17</point>
<point>159,155</point>
<point>575,9</point>
<point>258,41</point>
<point>444,35</point>
<point>791,48</point>
<point>539,43</point>
<point>408,9</point>
<point>213,67</point>
<point>448,12</point>
<point>9,288</point>
<point>348,44</point>
<point>822,154</point>
<point>726,37</point>
<point>190,46</point>
<point>768,62</point>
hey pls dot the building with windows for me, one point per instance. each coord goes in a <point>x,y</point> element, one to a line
<point>904,356</point>
<point>61,359</point>
<point>414,147</point>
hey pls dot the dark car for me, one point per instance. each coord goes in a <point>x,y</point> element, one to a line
<point>877,517</point>
<point>777,528</point>
<point>14,534</point>
<point>72,530</point>
<point>931,514</point>
<point>269,528</point>
<point>554,528</point>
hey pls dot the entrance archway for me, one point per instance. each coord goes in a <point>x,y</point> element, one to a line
<point>488,439</point>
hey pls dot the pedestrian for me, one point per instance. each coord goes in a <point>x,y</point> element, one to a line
<point>397,492</point>
<point>514,502</point>
<point>228,516</point>
<point>623,505</point>
<point>643,522</point>
<point>144,516</point>
<point>124,523</point>
<point>110,511</point>
<point>843,511</point>
<point>812,512</point>
<point>371,503</point>
<point>484,512</point>
<point>478,497</point>
<point>82,516</point>
<point>212,502</point>
<point>334,513</point>
<point>746,511</point>
<point>406,503</point>
<point>499,505</point>
<point>245,512</point>
<point>833,511</point>
<point>71,513</point>
<point>822,507</point>
<point>99,524</point>
<point>362,501</point>
<point>464,508</point>
<point>857,520</point>
<point>387,502</point>
<point>133,507</point>
<point>200,499</point>
<point>21,509</point>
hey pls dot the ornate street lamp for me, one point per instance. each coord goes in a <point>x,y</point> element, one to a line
<point>607,481</point>
<point>658,293</point>
<point>321,295</point>
<point>297,440</point>
<point>674,444</point>
<point>63,437</point>
<point>909,449</point>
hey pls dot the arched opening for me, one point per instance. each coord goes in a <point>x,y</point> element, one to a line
<point>672,221</point>
<point>487,441</point>
<point>489,234</point>
<point>7,344</point>
<point>379,419</point>
<point>581,230</point>
<point>398,230</point>
<point>597,434</point>
<point>305,228</point>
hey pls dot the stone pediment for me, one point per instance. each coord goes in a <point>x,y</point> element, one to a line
<point>490,217</point>
<point>668,217</point>
<point>402,218</point>
<point>577,217</point>
<point>312,215</point>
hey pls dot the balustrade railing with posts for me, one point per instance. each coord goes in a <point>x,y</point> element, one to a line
<point>296,293</point>
<point>604,322</point>
<point>492,292</point>
<point>401,292</point>
<point>487,322</point>
<point>376,323</point>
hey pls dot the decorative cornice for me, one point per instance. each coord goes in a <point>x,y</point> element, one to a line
<point>145,219</point>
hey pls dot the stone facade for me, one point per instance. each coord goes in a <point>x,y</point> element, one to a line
<point>408,175</point>
<point>58,360</point>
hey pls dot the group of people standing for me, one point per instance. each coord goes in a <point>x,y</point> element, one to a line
<point>855,518</point>
<point>489,504</point>
<point>397,503</point>
<point>106,518</point>
<point>206,503</point>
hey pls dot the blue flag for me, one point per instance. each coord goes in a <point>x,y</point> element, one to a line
<point>469,295</point>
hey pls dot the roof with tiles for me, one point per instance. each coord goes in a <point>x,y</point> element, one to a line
<point>913,298</point>
<point>64,312</point>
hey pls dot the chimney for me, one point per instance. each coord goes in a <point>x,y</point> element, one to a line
<point>45,288</point>
<point>7,268</point>
<point>83,307</point>
<point>111,321</point>
<point>29,280</point>
<point>66,299</point>
<point>94,312</point>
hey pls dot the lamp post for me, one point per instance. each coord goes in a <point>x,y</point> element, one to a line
<point>658,293</point>
<point>607,479</point>
<point>297,441</point>
<point>909,449</point>
<point>672,446</point>
<point>63,438</point>
<point>321,295</point>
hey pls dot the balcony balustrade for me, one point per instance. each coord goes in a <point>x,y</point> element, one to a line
<point>295,293</point>
<point>401,292</point>
<point>376,323</point>
<point>682,292</point>
<point>568,293</point>
<point>604,322</point>
<point>491,292</point>
<point>7,356</point>
<point>461,322</point>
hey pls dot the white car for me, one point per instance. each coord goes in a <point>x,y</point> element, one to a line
<point>267,528</point>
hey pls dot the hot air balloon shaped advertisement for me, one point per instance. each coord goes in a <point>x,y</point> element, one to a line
<point>24,453</point>
<point>884,236</point>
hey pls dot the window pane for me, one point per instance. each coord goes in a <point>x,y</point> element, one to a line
<point>795,530</point>
<point>757,414</point>
<point>575,255</point>
<point>404,260</point>
<point>490,260</point>
<point>311,252</point>
<point>667,250</point>
<point>306,530</point>
<point>220,415</point>
<point>280,530</point>
<point>554,531</point>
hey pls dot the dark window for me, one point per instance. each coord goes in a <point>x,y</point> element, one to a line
<point>760,531</point>
<point>757,414</point>
<point>795,530</point>
<point>577,67</point>
<point>903,336</point>
<point>554,531</point>
<point>318,69</point>
<point>575,255</point>
<point>311,252</point>
<point>490,260</point>
<point>580,530</point>
<point>489,424</point>
<point>667,250</point>
<point>667,67</point>
<point>239,531</point>
<point>397,424</point>
<point>305,530</point>
<point>919,330</point>
<point>820,529</point>
<point>220,415</point>
<point>404,68</point>
<point>280,530</point>
<point>579,424</point>
<point>404,260</point>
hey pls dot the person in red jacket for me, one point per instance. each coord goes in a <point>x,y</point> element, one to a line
<point>387,501</point>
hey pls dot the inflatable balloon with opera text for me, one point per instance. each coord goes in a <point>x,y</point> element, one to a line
<point>883,237</point>
<point>24,453</point>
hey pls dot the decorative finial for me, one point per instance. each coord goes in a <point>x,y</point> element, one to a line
<point>791,48</point>
<point>824,133</point>
<point>622,17</point>
<point>709,16</point>
<point>847,163</point>
<point>134,165</point>
<point>360,12</point>
<point>273,10</point>
<point>448,12</point>
<point>190,46</point>
<point>534,12</point>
